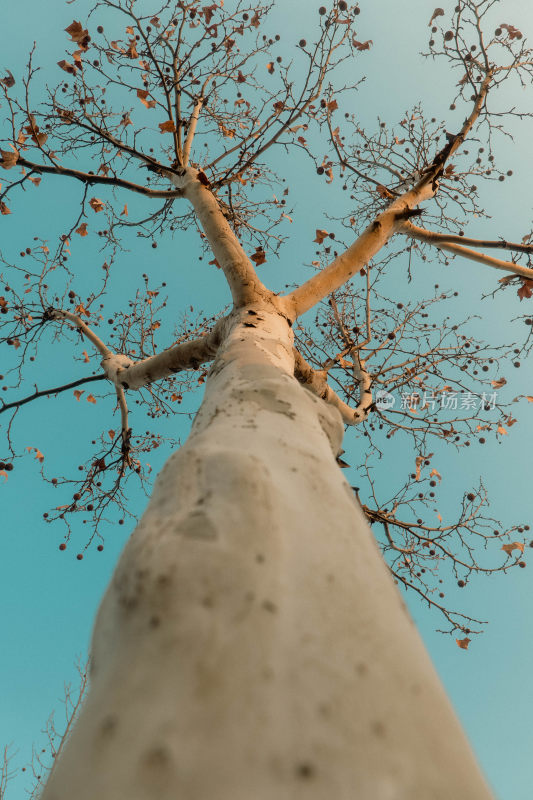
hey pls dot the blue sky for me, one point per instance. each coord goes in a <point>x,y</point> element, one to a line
<point>48,599</point>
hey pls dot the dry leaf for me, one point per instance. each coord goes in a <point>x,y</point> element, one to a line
<point>124,212</point>
<point>82,230</point>
<point>320,235</point>
<point>499,383</point>
<point>463,643</point>
<point>508,548</point>
<point>9,158</point>
<point>86,358</point>
<point>142,94</point>
<point>78,393</point>
<point>9,80</point>
<point>526,289</point>
<point>167,127</point>
<point>91,399</point>
<point>38,455</point>
<point>111,435</point>
<point>259,257</point>
<point>78,34</point>
<point>96,204</point>
<point>70,68</point>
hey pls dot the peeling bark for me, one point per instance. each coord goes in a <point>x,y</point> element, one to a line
<point>287,665</point>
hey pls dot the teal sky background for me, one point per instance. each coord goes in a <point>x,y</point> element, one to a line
<point>48,599</point>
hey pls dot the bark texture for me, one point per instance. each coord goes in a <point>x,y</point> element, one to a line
<point>252,643</point>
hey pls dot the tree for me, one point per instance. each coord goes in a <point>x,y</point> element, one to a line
<point>252,580</point>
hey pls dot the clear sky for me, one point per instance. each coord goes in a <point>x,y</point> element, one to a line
<point>48,599</point>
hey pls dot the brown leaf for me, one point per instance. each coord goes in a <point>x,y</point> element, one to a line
<point>240,77</point>
<point>82,230</point>
<point>38,455</point>
<point>499,383</point>
<point>111,435</point>
<point>9,80</point>
<point>332,105</point>
<point>96,204</point>
<point>78,393</point>
<point>419,460</point>
<point>86,358</point>
<point>361,45</point>
<point>215,263</point>
<point>435,474</point>
<point>463,643</point>
<point>167,127</point>
<point>176,397</point>
<point>320,235</point>
<point>526,289</point>
<point>35,181</point>
<point>529,398</point>
<point>270,67</point>
<point>70,68</point>
<point>9,158</point>
<point>124,212</point>
<point>77,33</point>
<point>508,548</point>
<point>131,50</point>
<point>91,399</point>
<point>383,191</point>
<point>3,208</point>
<point>142,94</point>
<point>501,430</point>
<point>259,257</point>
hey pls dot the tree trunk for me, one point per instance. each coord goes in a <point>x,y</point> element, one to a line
<point>252,645</point>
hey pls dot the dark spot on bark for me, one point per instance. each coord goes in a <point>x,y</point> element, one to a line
<point>305,771</point>
<point>330,578</point>
<point>154,622</point>
<point>249,325</point>
<point>194,363</point>
<point>157,757</point>
<point>361,669</point>
<point>378,729</point>
<point>208,602</point>
<point>252,312</point>
<point>268,605</point>
<point>163,580</point>
<point>125,385</point>
<point>259,558</point>
<point>109,725</point>
<point>376,225</point>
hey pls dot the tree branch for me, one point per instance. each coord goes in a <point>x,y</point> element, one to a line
<point>315,381</point>
<point>124,373</point>
<point>443,242</point>
<point>90,178</point>
<point>47,392</point>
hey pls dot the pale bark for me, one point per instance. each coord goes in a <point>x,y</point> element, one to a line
<point>447,243</point>
<point>252,643</point>
<point>316,381</point>
<point>239,271</point>
<point>124,372</point>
